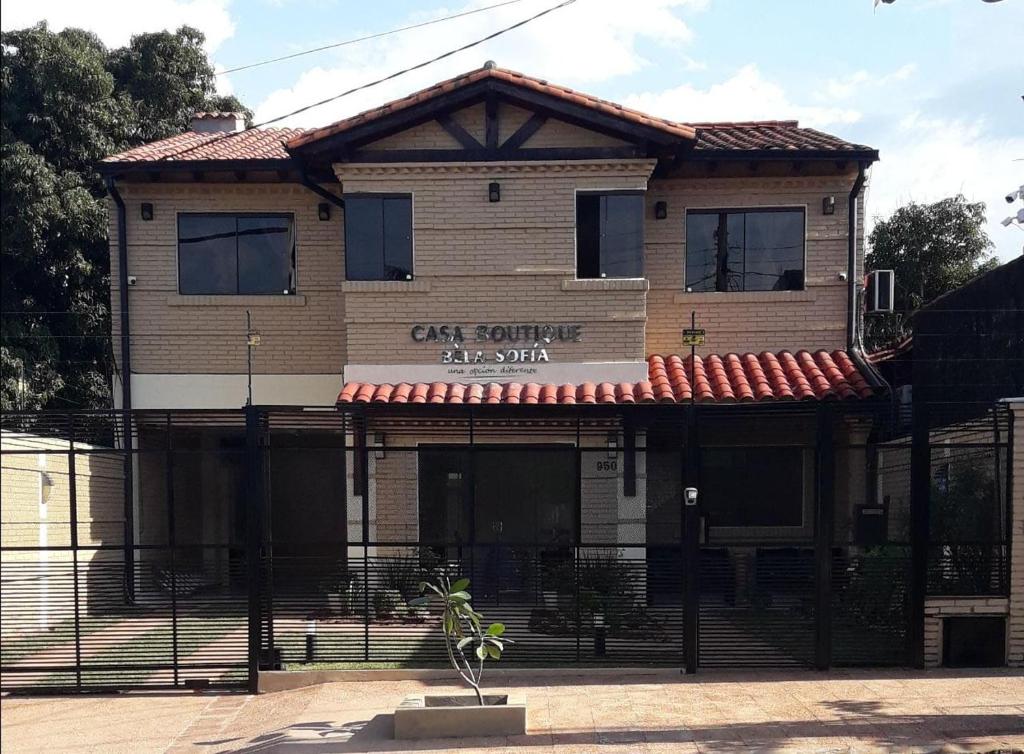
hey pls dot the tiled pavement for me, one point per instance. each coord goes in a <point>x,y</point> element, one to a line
<point>853,711</point>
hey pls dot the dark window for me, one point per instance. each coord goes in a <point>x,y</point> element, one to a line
<point>753,250</point>
<point>752,486</point>
<point>378,237</point>
<point>229,254</point>
<point>610,235</point>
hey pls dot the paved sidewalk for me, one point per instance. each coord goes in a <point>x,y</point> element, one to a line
<point>854,711</point>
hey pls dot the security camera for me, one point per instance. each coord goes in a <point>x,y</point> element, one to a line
<point>1014,196</point>
<point>842,276</point>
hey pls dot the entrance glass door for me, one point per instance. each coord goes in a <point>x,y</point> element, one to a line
<point>513,506</point>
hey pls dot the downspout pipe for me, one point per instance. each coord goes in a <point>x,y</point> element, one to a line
<point>122,295</point>
<point>127,442</point>
<point>851,261</point>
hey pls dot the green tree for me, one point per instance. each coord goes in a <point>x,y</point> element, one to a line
<point>67,102</point>
<point>933,249</point>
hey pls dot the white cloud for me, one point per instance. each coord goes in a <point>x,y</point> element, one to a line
<point>587,42</point>
<point>924,160</point>
<point>747,95</point>
<point>859,81</point>
<point>115,21</point>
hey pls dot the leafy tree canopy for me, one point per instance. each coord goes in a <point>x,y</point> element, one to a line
<point>67,102</point>
<point>933,249</point>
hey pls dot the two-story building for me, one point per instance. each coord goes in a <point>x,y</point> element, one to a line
<point>491,290</point>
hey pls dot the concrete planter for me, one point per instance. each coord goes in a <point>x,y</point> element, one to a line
<point>454,716</point>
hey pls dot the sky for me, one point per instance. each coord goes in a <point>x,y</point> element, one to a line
<point>935,85</point>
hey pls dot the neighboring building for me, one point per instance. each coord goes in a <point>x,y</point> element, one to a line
<point>474,309</point>
<point>965,353</point>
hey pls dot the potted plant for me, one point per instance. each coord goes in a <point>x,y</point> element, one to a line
<point>338,591</point>
<point>469,645</point>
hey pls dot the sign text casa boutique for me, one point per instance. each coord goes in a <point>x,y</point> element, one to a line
<point>501,344</point>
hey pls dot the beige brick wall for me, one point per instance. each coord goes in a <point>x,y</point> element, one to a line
<point>38,586</point>
<point>511,262</point>
<point>936,609</point>
<point>206,334</point>
<point>498,263</point>
<point>741,321</point>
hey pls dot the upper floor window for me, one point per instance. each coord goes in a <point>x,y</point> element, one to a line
<point>235,254</point>
<point>745,250</point>
<point>610,235</point>
<point>378,237</point>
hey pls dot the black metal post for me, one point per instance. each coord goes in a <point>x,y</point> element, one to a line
<point>127,443</point>
<point>629,455</point>
<point>73,516</point>
<point>920,491</point>
<point>824,522</point>
<point>691,546</point>
<point>363,464</point>
<point>172,543</point>
<point>254,538</point>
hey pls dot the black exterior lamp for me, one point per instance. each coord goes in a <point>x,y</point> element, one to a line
<point>660,210</point>
<point>147,211</point>
<point>828,205</point>
<point>494,192</point>
<point>323,211</point>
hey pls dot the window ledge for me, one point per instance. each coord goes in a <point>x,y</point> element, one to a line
<point>178,299</point>
<point>739,297</point>
<point>606,284</point>
<point>385,286</point>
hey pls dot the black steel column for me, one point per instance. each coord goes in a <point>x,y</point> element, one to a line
<point>824,490</point>
<point>690,519</point>
<point>920,491</point>
<point>128,446</point>
<point>362,463</point>
<point>73,517</point>
<point>254,538</point>
<point>172,541</point>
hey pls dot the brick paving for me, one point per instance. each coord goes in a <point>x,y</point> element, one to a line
<point>852,711</point>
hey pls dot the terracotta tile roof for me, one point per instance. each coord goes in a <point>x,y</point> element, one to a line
<point>680,130</point>
<point>254,144</point>
<point>728,378</point>
<point>783,135</point>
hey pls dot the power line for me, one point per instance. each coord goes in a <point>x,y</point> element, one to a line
<point>416,67</point>
<point>365,38</point>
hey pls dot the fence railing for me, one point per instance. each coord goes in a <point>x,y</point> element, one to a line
<point>968,569</point>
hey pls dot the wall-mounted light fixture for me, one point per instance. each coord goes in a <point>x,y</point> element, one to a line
<point>660,210</point>
<point>494,192</point>
<point>147,211</point>
<point>828,205</point>
<point>323,211</point>
<point>613,444</point>
<point>690,494</point>
<point>378,446</point>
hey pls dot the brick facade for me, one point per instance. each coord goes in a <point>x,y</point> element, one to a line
<point>476,261</point>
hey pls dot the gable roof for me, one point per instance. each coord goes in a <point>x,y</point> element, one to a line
<point>769,135</point>
<point>493,73</point>
<point>193,146</point>
<point>277,147</point>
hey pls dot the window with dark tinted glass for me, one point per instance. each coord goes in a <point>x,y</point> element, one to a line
<point>235,254</point>
<point>610,235</point>
<point>745,250</point>
<point>378,237</point>
<point>753,486</point>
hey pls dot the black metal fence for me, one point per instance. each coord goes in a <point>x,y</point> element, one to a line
<point>214,544</point>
